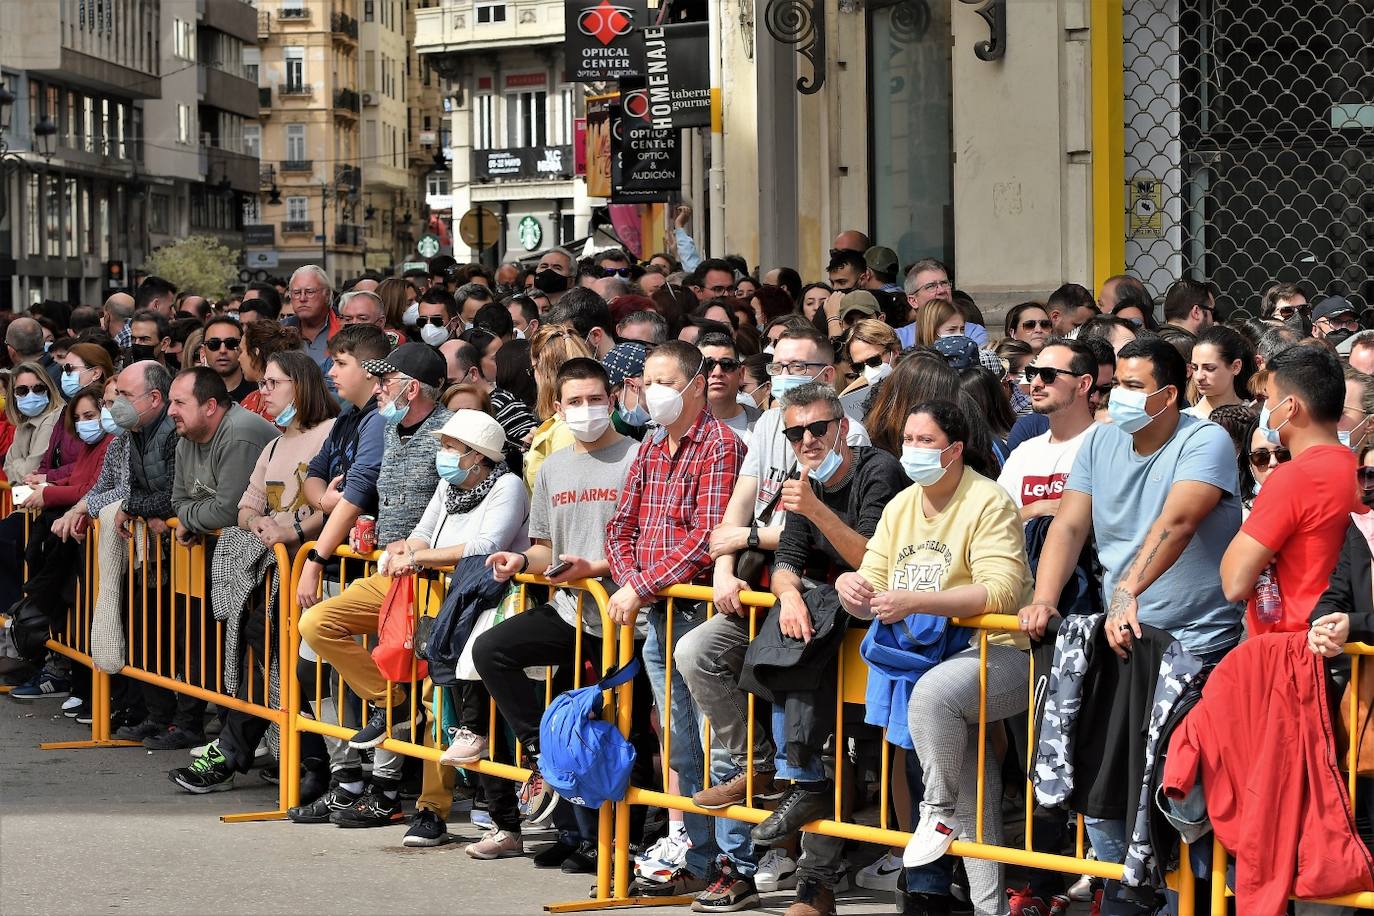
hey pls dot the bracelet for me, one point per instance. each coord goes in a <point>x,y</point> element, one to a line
<point>834,318</point>
<point>300,532</point>
<point>524,563</point>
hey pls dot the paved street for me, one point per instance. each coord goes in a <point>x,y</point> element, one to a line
<point>102,831</point>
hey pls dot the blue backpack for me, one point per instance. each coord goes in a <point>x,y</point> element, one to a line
<point>582,756</point>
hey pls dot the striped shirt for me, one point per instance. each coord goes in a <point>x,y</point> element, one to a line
<point>515,418</point>
<point>661,530</point>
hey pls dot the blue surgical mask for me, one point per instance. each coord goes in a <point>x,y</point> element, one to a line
<point>31,405</point>
<point>1127,410</point>
<point>1271,433</point>
<point>446,463</point>
<point>634,416</point>
<point>71,383</point>
<point>784,383</point>
<point>922,465</point>
<point>1344,436</point>
<point>108,424</point>
<point>90,431</point>
<point>392,412</point>
<point>284,418</point>
<point>829,465</point>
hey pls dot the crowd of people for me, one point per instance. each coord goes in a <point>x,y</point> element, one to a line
<point>1132,480</point>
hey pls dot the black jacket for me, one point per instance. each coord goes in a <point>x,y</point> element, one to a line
<point>1351,588</point>
<point>471,589</point>
<point>775,663</point>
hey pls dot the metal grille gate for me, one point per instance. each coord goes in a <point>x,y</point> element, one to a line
<point>1249,146</point>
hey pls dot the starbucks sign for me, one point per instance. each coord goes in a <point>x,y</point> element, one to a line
<point>428,246</point>
<point>530,232</point>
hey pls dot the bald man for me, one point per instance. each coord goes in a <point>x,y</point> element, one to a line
<point>114,318</point>
<point>851,240</point>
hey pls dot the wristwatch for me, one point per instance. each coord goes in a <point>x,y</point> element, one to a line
<point>312,557</point>
<point>753,541</point>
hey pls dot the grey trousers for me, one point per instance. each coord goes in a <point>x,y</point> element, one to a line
<point>943,716</point>
<point>710,659</point>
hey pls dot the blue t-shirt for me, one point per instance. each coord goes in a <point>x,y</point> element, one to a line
<point>1027,427</point>
<point>1128,492</point>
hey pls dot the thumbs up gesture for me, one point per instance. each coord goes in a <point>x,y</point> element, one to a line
<point>798,495</point>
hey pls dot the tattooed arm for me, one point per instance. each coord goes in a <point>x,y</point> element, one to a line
<point>1186,506</point>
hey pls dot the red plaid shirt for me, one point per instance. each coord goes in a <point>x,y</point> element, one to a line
<point>661,531</point>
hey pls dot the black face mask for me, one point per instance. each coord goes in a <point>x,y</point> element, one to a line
<point>1339,335</point>
<point>549,281</point>
<point>140,352</point>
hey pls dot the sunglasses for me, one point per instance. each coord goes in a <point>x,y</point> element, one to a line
<point>71,370</point>
<point>726,364</point>
<point>616,272</point>
<point>817,430</point>
<point>226,343</point>
<point>1365,476</point>
<point>23,391</point>
<point>1288,311</point>
<point>1259,457</point>
<point>437,320</point>
<point>872,362</point>
<point>1047,374</point>
<point>1031,324</point>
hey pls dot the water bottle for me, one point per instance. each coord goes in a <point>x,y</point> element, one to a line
<point>1268,605</point>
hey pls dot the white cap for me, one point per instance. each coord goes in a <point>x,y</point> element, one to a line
<point>478,431</point>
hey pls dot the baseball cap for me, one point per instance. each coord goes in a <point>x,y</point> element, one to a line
<point>881,259</point>
<point>419,361</point>
<point>477,431</point>
<point>993,363</point>
<point>959,351</point>
<point>860,300</point>
<point>1332,306</point>
<point>626,360</point>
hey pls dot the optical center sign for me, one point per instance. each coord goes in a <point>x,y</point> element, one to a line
<point>646,161</point>
<point>604,40</point>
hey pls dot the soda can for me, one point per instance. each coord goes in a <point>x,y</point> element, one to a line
<point>365,534</point>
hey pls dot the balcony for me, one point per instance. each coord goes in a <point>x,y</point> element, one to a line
<point>294,13</point>
<point>264,24</point>
<point>298,165</point>
<point>453,27</point>
<point>267,176</point>
<point>348,177</point>
<point>228,92</point>
<point>295,90</point>
<point>344,28</point>
<point>298,227</point>
<point>347,103</point>
<point>348,235</point>
<point>232,17</point>
<point>264,100</point>
<point>240,169</point>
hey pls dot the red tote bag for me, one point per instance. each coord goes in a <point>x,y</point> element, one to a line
<point>395,649</point>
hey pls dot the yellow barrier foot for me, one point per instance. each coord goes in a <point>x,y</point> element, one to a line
<point>613,903</point>
<point>252,817</point>
<point>72,745</point>
<point>5,688</point>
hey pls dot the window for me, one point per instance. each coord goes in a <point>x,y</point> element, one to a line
<point>34,244</point>
<point>252,61</point>
<point>159,213</point>
<point>295,142</point>
<point>185,125</point>
<point>491,12</point>
<point>436,183</point>
<point>484,122</point>
<point>297,209</point>
<point>184,39</point>
<point>252,210</point>
<point>368,12</point>
<point>252,140</point>
<point>526,121</point>
<point>295,69</point>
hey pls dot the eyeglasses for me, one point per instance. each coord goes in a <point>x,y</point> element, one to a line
<point>1030,324</point>
<point>794,368</point>
<point>934,285</point>
<point>268,385</point>
<point>1365,477</point>
<point>616,272</point>
<point>216,343</point>
<point>71,369</point>
<point>1336,322</point>
<point>303,293</point>
<point>1047,374</point>
<point>726,364</point>
<point>1259,457</point>
<point>23,391</point>
<point>817,430</point>
<point>437,320</point>
<point>719,291</point>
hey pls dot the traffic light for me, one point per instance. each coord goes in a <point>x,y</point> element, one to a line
<point>114,275</point>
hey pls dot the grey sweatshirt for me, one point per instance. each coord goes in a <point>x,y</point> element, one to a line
<point>210,478</point>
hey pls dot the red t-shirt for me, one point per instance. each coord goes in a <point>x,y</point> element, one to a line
<point>1302,514</point>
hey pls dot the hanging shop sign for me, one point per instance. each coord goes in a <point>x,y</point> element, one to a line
<point>603,39</point>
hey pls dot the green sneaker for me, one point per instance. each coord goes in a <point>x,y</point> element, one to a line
<point>210,772</point>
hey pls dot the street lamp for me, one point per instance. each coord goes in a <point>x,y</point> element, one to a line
<point>43,132</point>
<point>6,109</point>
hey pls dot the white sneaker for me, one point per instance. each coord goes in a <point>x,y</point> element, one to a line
<point>882,875</point>
<point>777,871</point>
<point>1082,889</point>
<point>262,750</point>
<point>932,838</point>
<point>659,861</point>
<point>71,703</point>
<point>200,751</point>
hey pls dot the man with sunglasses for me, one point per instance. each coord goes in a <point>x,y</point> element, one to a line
<point>724,373</point>
<point>223,337</point>
<point>1297,525</point>
<point>1190,305</point>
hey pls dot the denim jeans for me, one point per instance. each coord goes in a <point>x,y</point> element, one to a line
<point>711,837</point>
<point>814,771</point>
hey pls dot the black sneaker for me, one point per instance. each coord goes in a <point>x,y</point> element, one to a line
<point>174,739</point>
<point>139,730</point>
<point>84,716</point>
<point>319,811</point>
<point>556,853</point>
<point>582,861</point>
<point>373,809</point>
<point>728,892</point>
<point>426,829</point>
<point>209,773</point>
<point>375,731</point>
<point>800,807</point>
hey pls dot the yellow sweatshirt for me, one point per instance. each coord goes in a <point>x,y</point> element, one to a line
<point>977,540</point>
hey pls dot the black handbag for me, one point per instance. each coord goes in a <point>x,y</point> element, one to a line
<point>29,625</point>
<point>752,564</point>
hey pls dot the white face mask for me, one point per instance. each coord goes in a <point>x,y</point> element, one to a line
<point>433,335</point>
<point>876,374</point>
<point>663,402</point>
<point>519,334</point>
<point>588,421</point>
<point>411,314</point>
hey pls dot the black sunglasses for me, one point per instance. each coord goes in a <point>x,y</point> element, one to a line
<point>23,391</point>
<point>817,429</point>
<point>1365,476</point>
<point>215,343</point>
<point>616,272</point>
<point>872,362</point>
<point>726,364</point>
<point>1030,324</point>
<point>1259,457</point>
<point>437,320</point>
<point>1047,374</point>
